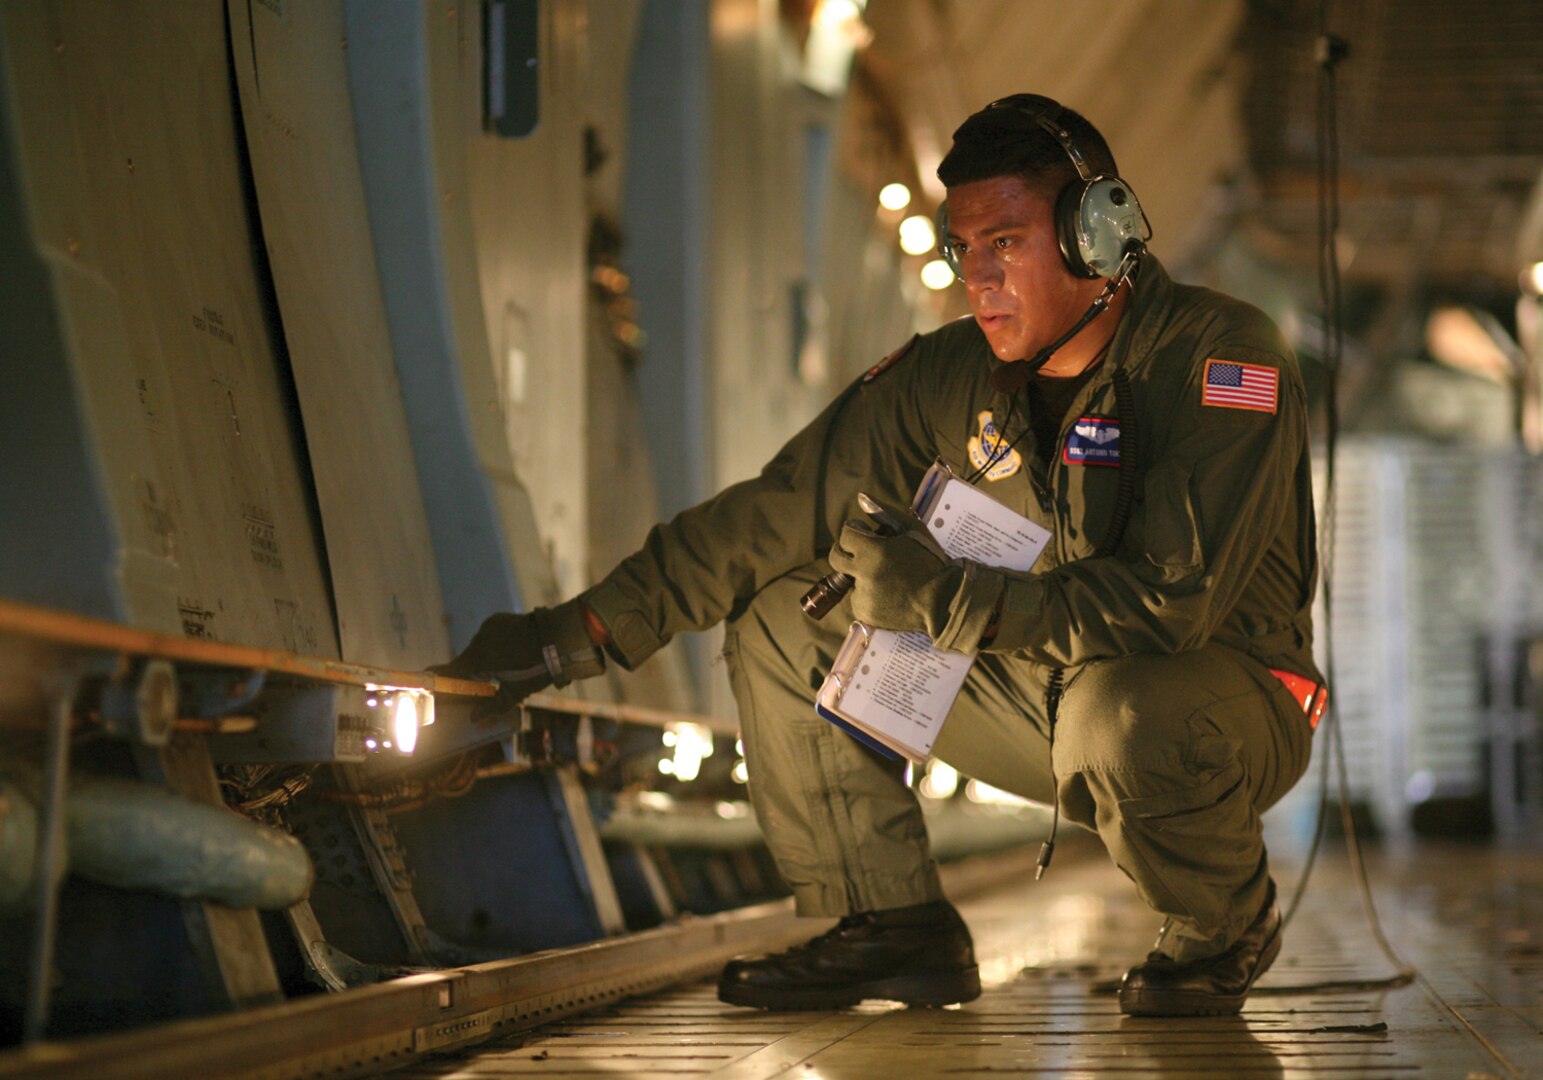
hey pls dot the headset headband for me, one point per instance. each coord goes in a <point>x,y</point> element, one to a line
<point>1046,112</point>
<point>1100,225</point>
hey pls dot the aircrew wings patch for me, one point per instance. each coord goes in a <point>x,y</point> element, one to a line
<point>889,361</point>
<point>1093,440</point>
<point>1231,384</point>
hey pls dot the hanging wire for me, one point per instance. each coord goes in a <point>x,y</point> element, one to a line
<point>1329,50</point>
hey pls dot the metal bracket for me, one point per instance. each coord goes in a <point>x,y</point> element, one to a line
<point>392,877</point>
<point>50,858</point>
<point>330,967</point>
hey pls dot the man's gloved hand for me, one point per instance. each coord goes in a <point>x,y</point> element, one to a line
<point>529,652</point>
<point>904,582</point>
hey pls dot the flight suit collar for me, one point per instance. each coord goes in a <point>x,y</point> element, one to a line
<point>1134,342</point>
<point>1141,327</point>
<point>1145,317</point>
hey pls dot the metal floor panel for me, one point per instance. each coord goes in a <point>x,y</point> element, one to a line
<point>1470,920</point>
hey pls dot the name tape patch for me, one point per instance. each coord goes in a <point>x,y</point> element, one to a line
<point>1231,384</point>
<point>1093,440</point>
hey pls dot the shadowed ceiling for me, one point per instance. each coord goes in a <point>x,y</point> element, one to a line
<point>1210,106</point>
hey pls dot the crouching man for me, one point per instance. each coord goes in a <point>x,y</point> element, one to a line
<point>1152,677</point>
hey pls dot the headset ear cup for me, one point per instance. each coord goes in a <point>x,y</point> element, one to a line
<point>945,249</point>
<point>1068,228</point>
<point>1109,219</point>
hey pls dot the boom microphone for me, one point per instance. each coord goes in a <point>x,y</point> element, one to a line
<point>1012,377</point>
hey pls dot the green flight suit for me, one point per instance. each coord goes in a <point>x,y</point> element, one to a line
<point>1172,735</point>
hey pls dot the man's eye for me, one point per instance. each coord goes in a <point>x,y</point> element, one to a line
<point>1003,242</point>
<point>959,248</point>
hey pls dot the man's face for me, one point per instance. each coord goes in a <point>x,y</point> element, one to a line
<point>1021,292</point>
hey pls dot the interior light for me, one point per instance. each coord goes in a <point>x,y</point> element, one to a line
<point>894,196</point>
<point>740,774</point>
<point>657,801</point>
<point>692,742</point>
<point>1471,341</point>
<point>937,275</point>
<point>836,30</point>
<point>941,781</point>
<point>1532,279</point>
<point>978,792</point>
<point>409,708</point>
<point>404,723</point>
<point>917,236</point>
<point>836,14</point>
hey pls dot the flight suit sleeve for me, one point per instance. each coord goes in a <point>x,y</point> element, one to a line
<point>692,571</point>
<point>1212,502</point>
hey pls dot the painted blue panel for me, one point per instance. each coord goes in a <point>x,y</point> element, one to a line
<point>492,871</point>
<point>389,83</point>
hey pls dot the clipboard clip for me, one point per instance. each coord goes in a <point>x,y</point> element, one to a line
<point>842,678</point>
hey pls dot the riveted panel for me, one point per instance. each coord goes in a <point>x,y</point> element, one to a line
<point>149,395</point>
<point>291,69</point>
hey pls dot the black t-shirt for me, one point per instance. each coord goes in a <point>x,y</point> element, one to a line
<point>1049,400</point>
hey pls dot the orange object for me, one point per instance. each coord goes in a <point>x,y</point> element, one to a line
<point>80,631</point>
<point>1313,697</point>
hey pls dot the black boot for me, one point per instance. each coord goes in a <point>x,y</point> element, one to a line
<point>1212,986</point>
<point>920,955</point>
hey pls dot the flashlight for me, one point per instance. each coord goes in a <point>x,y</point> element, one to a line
<point>828,591</point>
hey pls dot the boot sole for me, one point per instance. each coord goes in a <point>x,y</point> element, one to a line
<point>948,988</point>
<point>1193,1003</point>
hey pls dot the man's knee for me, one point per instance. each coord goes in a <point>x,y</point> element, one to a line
<point>1127,715</point>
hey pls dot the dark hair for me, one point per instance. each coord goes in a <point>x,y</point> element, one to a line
<point>1003,139</point>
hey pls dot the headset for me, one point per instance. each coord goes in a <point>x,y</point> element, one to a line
<point>1099,222</point>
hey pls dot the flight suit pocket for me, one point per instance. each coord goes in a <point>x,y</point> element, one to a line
<point>1173,804</point>
<point>1171,532</point>
<point>1193,847</point>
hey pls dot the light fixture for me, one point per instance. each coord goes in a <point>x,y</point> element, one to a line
<point>404,724</point>
<point>1532,277</point>
<point>836,30</point>
<point>691,743</point>
<point>917,236</point>
<point>987,795</point>
<point>1471,341</point>
<point>836,14</point>
<point>941,781</point>
<point>894,196</point>
<point>937,275</point>
<point>408,709</point>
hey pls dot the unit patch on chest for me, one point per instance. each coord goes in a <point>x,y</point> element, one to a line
<point>1093,440</point>
<point>990,453</point>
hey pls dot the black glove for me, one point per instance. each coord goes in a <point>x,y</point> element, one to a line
<point>529,652</point>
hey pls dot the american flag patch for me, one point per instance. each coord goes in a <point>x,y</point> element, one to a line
<point>1240,386</point>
